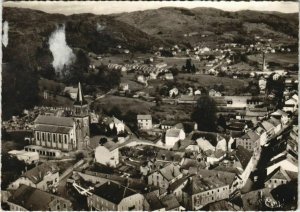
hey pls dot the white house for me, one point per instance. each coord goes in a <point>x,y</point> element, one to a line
<point>71,91</point>
<point>197,92</point>
<point>107,154</point>
<point>144,122</point>
<point>124,86</point>
<point>114,122</point>
<point>174,135</point>
<point>169,76</point>
<point>173,92</point>
<point>213,92</point>
<point>141,79</point>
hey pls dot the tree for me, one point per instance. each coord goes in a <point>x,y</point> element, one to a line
<point>204,114</point>
<point>222,121</point>
<point>188,65</point>
<point>193,69</point>
<point>102,141</point>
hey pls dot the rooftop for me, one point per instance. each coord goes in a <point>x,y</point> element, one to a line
<point>33,199</point>
<point>170,172</point>
<point>38,173</point>
<point>173,132</point>
<point>53,129</point>
<point>144,117</point>
<point>170,202</point>
<point>113,192</point>
<point>54,120</point>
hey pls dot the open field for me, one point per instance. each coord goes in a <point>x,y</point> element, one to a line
<point>209,81</point>
<point>124,104</point>
<point>277,58</point>
<point>169,112</point>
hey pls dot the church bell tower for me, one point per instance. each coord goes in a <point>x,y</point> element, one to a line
<point>82,120</point>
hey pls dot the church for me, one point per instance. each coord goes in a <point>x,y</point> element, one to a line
<point>53,134</point>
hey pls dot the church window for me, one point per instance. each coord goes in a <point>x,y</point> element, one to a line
<point>38,135</point>
<point>43,136</point>
<point>54,138</point>
<point>66,139</point>
<point>49,137</point>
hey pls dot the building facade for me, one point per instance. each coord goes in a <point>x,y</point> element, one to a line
<point>144,122</point>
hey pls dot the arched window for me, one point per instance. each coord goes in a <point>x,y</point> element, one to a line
<point>49,137</point>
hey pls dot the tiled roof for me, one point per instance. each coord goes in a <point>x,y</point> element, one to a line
<point>37,173</point>
<point>110,145</point>
<point>177,183</point>
<point>33,199</point>
<point>54,120</point>
<point>154,202</point>
<point>170,202</point>
<point>279,113</point>
<point>53,129</point>
<point>243,155</point>
<point>144,117</point>
<point>170,172</point>
<point>113,192</point>
<point>173,132</point>
<point>167,155</point>
<point>267,125</point>
<point>251,135</point>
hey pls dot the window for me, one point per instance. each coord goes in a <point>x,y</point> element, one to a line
<point>49,137</point>
<point>54,138</point>
<point>38,135</point>
<point>66,139</point>
<point>43,136</point>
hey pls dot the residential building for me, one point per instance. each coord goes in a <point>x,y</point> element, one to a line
<point>107,154</point>
<point>171,203</point>
<point>44,177</point>
<point>113,122</point>
<point>279,177</point>
<point>173,92</point>
<point>165,176</point>
<point>27,198</point>
<point>169,76</point>
<point>283,116</point>
<point>152,202</point>
<point>124,86</point>
<point>291,105</point>
<point>71,91</point>
<point>144,122</point>
<point>172,136</point>
<point>111,196</point>
<point>200,191</point>
<point>250,141</point>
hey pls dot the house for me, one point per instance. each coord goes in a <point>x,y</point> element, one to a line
<point>27,157</point>
<point>107,154</point>
<point>283,116</point>
<point>200,191</point>
<point>215,156</point>
<point>172,136</point>
<point>165,176</point>
<point>255,114</point>
<point>186,145</point>
<point>268,127</point>
<point>213,93</point>
<point>171,203</point>
<point>177,186</point>
<point>167,124</point>
<point>242,101</point>
<point>44,176</point>
<point>187,99</point>
<point>197,92</point>
<point>173,92</point>
<point>262,83</point>
<point>204,144</point>
<point>124,86</point>
<point>169,76</point>
<point>250,141</point>
<point>291,105</point>
<point>113,122</point>
<point>71,92</point>
<point>164,155</point>
<point>144,122</point>
<point>27,198</point>
<point>141,79</point>
<point>111,196</point>
<point>152,202</point>
<point>279,177</point>
<point>276,123</point>
<point>55,132</point>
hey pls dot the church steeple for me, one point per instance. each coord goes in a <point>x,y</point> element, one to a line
<point>80,98</point>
